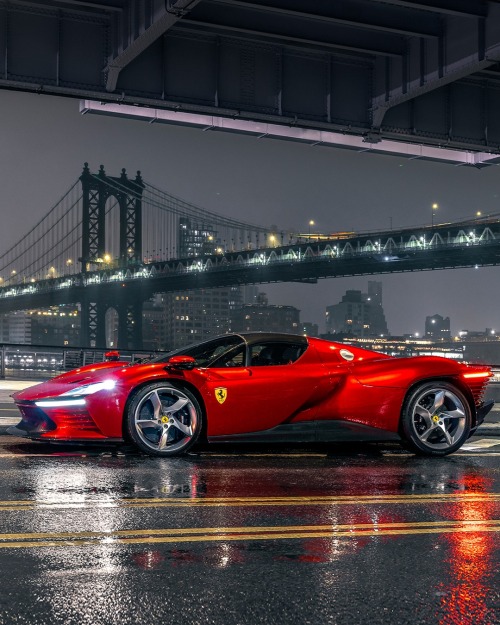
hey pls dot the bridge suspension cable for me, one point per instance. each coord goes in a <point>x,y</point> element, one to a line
<point>55,235</point>
<point>161,228</point>
<point>52,247</point>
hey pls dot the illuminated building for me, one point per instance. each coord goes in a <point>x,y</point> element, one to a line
<point>437,328</point>
<point>192,316</point>
<point>15,327</point>
<point>309,329</point>
<point>58,325</point>
<point>195,239</point>
<point>358,314</point>
<point>264,317</point>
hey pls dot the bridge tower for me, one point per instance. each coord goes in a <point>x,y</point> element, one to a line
<point>97,189</point>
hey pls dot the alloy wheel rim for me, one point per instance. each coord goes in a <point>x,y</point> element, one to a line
<point>439,418</point>
<point>165,419</point>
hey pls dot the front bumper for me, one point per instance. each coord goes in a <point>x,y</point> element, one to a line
<point>55,423</point>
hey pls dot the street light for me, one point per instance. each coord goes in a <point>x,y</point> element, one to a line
<point>311,223</point>
<point>435,206</point>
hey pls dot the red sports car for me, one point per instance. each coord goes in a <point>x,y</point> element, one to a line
<point>261,387</point>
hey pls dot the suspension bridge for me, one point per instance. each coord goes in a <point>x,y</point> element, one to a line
<point>113,242</point>
<point>108,228</point>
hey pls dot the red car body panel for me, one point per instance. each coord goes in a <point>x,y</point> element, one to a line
<point>329,382</point>
<point>260,398</point>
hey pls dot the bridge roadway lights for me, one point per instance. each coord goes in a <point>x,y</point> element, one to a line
<point>291,263</point>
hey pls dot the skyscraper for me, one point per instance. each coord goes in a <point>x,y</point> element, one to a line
<point>192,316</point>
<point>437,328</point>
<point>261,316</point>
<point>358,314</point>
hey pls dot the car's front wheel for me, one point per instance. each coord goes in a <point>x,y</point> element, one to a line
<point>436,419</point>
<point>163,420</point>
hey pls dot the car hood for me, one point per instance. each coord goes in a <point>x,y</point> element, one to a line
<point>68,381</point>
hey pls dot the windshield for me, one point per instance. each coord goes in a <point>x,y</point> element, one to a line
<point>207,352</point>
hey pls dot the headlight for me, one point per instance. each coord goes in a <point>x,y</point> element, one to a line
<point>70,398</point>
<point>56,403</point>
<point>90,389</point>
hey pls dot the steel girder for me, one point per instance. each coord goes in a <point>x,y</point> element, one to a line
<point>127,298</point>
<point>442,246</point>
<point>424,71</point>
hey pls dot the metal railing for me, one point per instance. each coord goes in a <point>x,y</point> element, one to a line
<point>41,361</point>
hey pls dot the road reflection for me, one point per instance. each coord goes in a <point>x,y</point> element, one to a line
<point>351,521</point>
<point>466,598</point>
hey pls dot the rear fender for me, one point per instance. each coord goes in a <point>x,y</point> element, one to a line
<point>463,388</point>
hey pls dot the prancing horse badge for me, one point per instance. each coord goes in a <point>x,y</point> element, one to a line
<point>221,394</point>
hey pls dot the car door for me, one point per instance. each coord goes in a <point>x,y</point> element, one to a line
<point>260,392</point>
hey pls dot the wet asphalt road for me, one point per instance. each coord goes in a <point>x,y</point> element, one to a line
<point>341,535</point>
<point>347,536</point>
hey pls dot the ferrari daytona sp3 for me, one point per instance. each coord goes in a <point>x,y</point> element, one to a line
<point>261,387</point>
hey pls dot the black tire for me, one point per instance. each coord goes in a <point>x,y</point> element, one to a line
<point>436,419</point>
<point>163,419</point>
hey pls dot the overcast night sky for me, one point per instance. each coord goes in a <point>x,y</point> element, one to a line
<point>45,142</point>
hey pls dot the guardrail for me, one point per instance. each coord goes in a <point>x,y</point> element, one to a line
<point>40,361</point>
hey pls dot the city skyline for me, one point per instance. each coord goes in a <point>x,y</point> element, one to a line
<point>177,315</point>
<point>265,181</point>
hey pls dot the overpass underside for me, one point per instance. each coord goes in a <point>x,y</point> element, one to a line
<point>419,78</point>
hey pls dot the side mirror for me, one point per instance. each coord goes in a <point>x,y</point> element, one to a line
<point>113,355</point>
<point>181,363</point>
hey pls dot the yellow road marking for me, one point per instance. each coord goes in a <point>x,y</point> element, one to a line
<point>209,502</point>
<point>224,534</point>
<point>254,529</point>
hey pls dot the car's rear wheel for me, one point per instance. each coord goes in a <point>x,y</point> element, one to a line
<point>436,419</point>
<point>163,420</point>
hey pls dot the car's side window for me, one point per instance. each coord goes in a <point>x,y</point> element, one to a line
<point>232,358</point>
<point>206,354</point>
<point>268,354</point>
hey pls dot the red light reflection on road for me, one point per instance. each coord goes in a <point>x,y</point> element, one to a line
<point>148,559</point>
<point>465,598</point>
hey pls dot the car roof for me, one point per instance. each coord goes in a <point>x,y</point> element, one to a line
<point>279,337</point>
